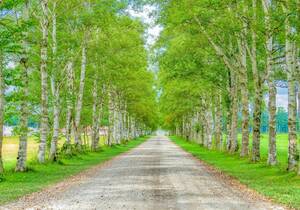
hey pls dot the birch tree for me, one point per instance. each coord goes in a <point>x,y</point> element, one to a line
<point>44,81</point>
<point>54,88</point>
<point>1,108</point>
<point>22,152</point>
<point>272,156</point>
<point>79,101</point>
<point>290,49</point>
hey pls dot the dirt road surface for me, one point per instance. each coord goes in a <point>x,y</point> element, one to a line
<point>157,175</point>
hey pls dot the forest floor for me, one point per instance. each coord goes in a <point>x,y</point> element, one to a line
<point>156,175</point>
<point>273,182</point>
<point>39,176</point>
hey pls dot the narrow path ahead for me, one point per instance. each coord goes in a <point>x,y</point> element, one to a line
<point>156,175</point>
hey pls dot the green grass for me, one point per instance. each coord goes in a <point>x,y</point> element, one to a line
<point>273,182</point>
<point>15,185</point>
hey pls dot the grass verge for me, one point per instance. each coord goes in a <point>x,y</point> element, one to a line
<point>14,185</point>
<point>273,182</point>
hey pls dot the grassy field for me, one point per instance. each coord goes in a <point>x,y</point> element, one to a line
<point>10,150</point>
<point>14,185</point>
<point>274,182</point>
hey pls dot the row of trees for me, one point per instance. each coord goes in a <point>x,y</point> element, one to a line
<point>69,65</point>
<point>218,60</point>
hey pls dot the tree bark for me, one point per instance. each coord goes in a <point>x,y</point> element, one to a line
<point>115,124</point>
<point>234,114</point>
<point>80,97</point>
<point>272,154</point>
<point>292,151</point>
<point>54,140</point>
<point>218,123</point>
<point>228,113</point>
<point>129,127</point>
<point>70,84</point>
<point>96,117</point>
<point>298,99</point>
<point>292,113</point>
<point>110,139</point>
<point>244,96</point>
<point>44,82</point>
<point>258,95</point>
<point>22,152</point>
<point>2,86</point>
<point>209,128</point>
<point>258,98</point>
<point>117,121</point>
<point>208,123</point>
<point>124,123</point>
<point>272,157</point>
<point>55,91</point>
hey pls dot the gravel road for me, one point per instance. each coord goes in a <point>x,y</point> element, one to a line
<point>157,175</point>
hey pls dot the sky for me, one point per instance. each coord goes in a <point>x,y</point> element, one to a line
<point>153,29</point>
<point>282,97</point>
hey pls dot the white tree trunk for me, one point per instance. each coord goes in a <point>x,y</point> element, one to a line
<point>272,156</point>
<point>22,152</point>
<point>80,97</point>
<point>209,128</point>
<point>298,99</point>
<point>129,127</point>
<point>228,113</point>
<point>55,91</point>
<point>258,95</point>
<point>124,124</point>
<point>292,114</point>
<point>2,86</point>
<point>234,114</point>
<point>96,117</point>
<point>218,123</point>
<point>44,80</point>
<point>115,125</point>
<point>244,96</point>
<point>110,139</point>
<point>208,123</point>
<point>70,84</point>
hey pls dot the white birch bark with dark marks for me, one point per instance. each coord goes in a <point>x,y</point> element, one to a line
<point>218,123</point>
<point>79,102</point>
<point>22,151</point>
<point>258,95</point>
<point>292,106</point>
<point>2,101</point>
<point>272,156</point>
<point>44,127</point>
<point>234,114</point>
<point>110,139</point>
<point>55,90</point>
<point>69,101</point>
<point>209,128</point>
<point>243,75</point>
<point>96,116</point>
<point>228,113</point>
